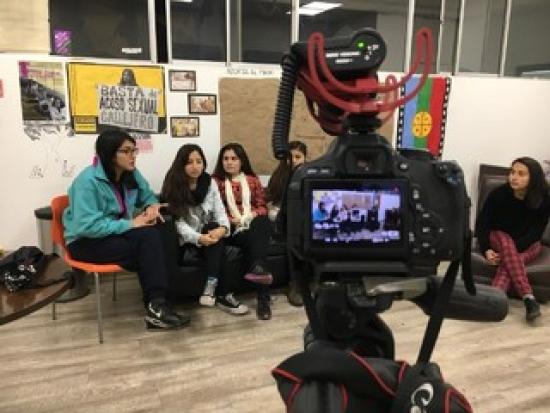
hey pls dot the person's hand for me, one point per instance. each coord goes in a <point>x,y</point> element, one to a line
<point>153,211</point>
<point>207,240</point>
<point>142,220</point>
<point>217,233</point>
<point>235,221</point>
<point>254,214</point>
<point>492,256</point>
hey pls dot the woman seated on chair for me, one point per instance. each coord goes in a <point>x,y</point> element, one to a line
<point>101,225</point>
<point>242,194</point>
<point>510,225</point>
<point>194,200</point>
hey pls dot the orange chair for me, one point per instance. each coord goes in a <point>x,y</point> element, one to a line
<point>58,206</point>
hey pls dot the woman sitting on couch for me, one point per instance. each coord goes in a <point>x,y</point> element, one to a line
<point>244,200</point>
<point>510,226</point>
<point>195,202</point>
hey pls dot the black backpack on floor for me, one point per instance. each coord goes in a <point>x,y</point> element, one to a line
<point>330,380</point>
<point>23,267</point>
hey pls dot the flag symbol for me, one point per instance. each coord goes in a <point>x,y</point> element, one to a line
<point>422,119</point>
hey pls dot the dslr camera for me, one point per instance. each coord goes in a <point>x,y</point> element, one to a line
<point>365,225</point>
<point>364,206</point>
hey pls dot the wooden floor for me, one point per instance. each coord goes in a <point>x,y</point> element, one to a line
<point>222,363</point>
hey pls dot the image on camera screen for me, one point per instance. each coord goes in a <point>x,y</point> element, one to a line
<point>369,215</point>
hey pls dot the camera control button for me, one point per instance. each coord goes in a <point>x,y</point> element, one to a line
<point>403,166</point>
<point>415,194</point>
<point>416,250</point>
<point>312,171</point>
<point>418,206</point>
<point>426,244</point>
<point>325,171</point>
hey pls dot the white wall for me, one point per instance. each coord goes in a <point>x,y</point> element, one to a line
<point>490,120</point>
<point>495,120</point>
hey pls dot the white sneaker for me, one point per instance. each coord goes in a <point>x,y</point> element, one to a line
<point>230,304</point>
<point>207,301</point>
<point>208,297</point>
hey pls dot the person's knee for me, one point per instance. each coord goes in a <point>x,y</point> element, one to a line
<point>260,223</point>
<point>149,235</point>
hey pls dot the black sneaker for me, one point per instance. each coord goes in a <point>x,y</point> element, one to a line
<point>160,316</point>
<point>230,304</point>
<point>532,309</point>
<point>294,296</point>
<point>263,309</point>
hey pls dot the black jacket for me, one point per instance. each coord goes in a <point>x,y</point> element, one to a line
<point>502,211</point>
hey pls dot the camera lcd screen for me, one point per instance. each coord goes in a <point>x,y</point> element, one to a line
<point>369,214</point>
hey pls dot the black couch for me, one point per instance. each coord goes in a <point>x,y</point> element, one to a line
<point>187,273</point>
<point>538,271</point>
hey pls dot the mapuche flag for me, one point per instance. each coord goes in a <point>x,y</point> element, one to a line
<point>422,119</point>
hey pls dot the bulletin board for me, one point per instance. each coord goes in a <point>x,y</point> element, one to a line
<point>247,108</point>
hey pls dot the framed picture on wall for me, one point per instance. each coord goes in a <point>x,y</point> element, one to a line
<point>184,126</point>
<point>182,80</point>
<point>203,104</point>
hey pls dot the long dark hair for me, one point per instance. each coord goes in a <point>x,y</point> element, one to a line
<point>280,176</point>
<point>537,189</point>
<point>106,147</point>
<point>220,173</point>
<point>176,189</point>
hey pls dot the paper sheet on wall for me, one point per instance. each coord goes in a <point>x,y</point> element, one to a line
<point>130,97</point>
<point>43,97</point>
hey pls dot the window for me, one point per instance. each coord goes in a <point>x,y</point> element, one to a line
<point>198,29</point>
<point>388,17</point>
<point>260,30</point>
<point>528,53</point>
<point>482,36</point>
<point>449,38</point>
<point>100,28</point>
<point>427,14</point>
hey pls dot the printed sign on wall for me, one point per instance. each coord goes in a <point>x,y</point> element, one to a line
<point>43,98</point>
<point>129,97</point>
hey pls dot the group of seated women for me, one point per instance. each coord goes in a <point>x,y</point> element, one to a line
<point>112,214</point>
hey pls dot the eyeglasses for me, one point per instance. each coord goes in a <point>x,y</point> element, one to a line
<point>129,151</point>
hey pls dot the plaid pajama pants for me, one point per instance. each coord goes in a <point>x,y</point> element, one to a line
<point>511,270</point>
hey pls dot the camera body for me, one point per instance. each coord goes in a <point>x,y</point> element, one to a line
<point>366,208</point>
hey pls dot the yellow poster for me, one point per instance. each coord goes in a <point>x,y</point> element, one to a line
<point>106,96</point>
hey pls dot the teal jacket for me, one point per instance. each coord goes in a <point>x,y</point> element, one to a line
<point>95,208</point>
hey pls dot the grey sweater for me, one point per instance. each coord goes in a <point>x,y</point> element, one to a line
<point>211,210</point>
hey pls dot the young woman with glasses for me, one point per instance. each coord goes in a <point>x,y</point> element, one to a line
<point>102,226</point>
